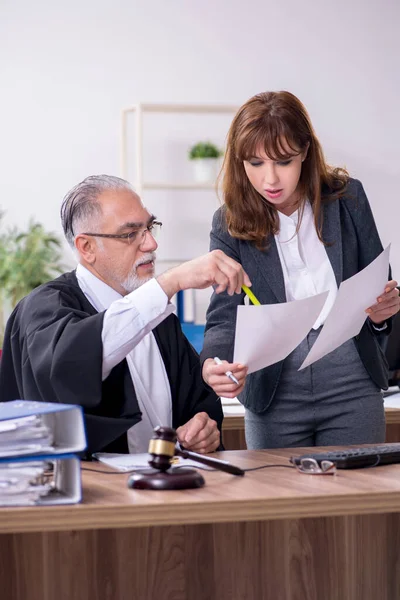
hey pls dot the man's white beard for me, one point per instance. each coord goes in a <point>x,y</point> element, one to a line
<point>133,281</point>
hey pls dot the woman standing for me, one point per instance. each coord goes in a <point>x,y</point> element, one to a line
<point>298,227</point>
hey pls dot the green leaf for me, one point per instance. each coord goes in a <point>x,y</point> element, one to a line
<point>27,259</point>
<point>204,150</point>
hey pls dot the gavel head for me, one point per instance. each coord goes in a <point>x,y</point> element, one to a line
<point>162,448</point>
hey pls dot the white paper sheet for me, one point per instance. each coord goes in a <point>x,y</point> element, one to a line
<point>268,333</point>
<point>348,314</point>
<point>392,401</point>
<point>234,411</point>
<point>130,462</point>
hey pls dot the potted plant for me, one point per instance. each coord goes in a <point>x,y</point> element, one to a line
<point>27,259</point>
<point>205,157</point>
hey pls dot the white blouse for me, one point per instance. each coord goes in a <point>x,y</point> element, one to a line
<point>306,267</point>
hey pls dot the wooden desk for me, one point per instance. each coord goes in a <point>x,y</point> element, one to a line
<point>274,534</point>
<point>392,424</point>
<point>234,438</point>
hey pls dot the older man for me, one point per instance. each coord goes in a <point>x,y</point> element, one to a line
<point>103,336</point>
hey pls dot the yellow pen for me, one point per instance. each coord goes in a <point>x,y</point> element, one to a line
<point>250,294</point>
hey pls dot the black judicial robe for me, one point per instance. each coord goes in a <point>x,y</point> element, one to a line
<point>52,352</point>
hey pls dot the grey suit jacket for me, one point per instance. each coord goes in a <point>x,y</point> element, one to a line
<point>353,242</point>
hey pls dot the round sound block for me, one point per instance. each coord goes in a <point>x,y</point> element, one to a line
<point>181,478</point>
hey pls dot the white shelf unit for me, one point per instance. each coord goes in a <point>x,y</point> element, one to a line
<point>140,183</point>
<point>139,110</point>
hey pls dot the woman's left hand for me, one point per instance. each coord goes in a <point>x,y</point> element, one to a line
<point>388,304</point>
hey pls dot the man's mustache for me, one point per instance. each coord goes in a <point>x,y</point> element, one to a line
<point>148,257</point>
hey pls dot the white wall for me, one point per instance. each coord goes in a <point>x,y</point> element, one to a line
<point>67,70</point>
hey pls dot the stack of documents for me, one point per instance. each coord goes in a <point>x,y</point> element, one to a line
<point>37,442</point>
<point>26,435</point>
<point>24,483</point>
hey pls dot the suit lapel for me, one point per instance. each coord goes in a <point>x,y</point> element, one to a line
<point>269,267</point>
<point>269,264</point>
<point>331,234</point>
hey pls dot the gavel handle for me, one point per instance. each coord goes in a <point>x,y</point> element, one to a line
<point>215,463</point>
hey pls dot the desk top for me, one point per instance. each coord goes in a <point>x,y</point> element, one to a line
<point>267,494</point>
<point>233,420</point>
<point>234,411</point>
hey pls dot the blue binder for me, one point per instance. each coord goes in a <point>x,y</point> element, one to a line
<point>66,424</point>
<point>65,421</point>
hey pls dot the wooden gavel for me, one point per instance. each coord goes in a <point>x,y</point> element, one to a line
<point>162,448</point>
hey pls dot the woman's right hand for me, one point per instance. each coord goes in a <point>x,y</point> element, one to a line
<point>214,376</point>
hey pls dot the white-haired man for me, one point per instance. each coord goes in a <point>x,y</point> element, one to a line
<point>103,336</point>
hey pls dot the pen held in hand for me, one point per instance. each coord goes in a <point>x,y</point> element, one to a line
<point>227,373</point>
<point>250,294</point>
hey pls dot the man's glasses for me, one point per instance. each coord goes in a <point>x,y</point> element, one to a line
<point>137,236</point>
<point>310,466</point>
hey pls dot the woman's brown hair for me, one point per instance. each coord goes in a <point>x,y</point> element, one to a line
<point>276,122</point>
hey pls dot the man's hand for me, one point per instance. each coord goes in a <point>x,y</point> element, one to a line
<point>214,376</point>
<point>388,304</point>
<point>200,434</point>
<point>214,268</point>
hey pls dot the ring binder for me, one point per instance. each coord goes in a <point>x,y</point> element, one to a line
<point>34,435</point>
